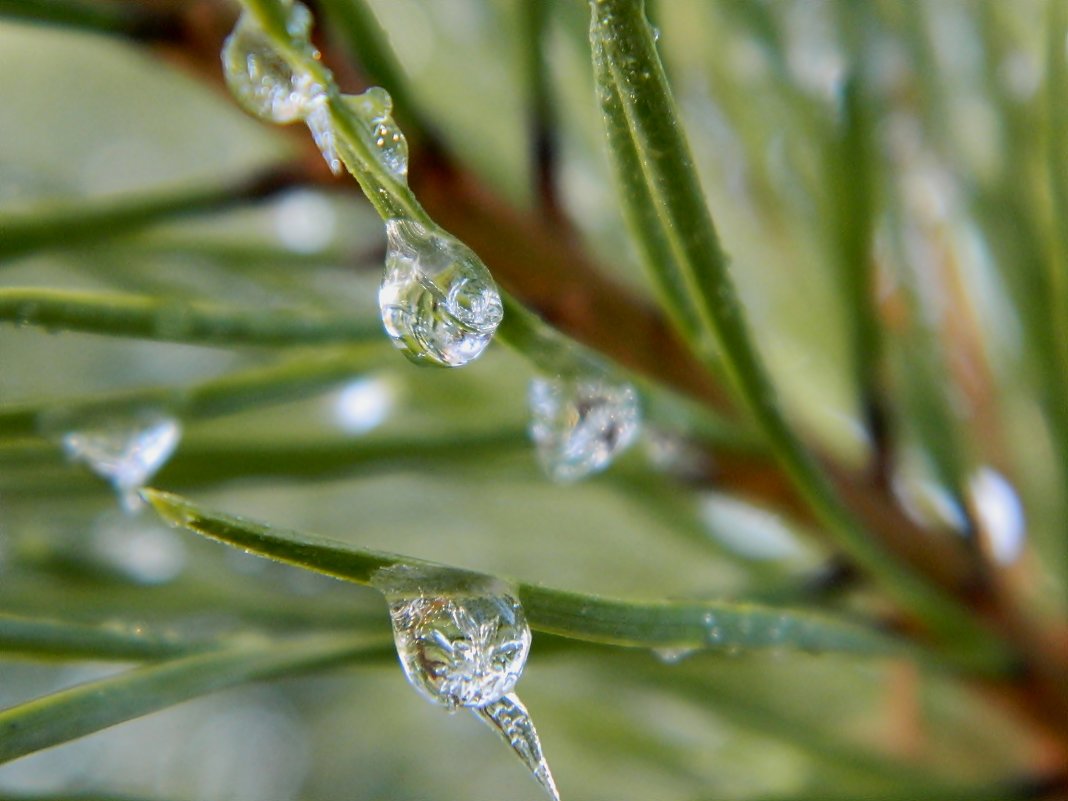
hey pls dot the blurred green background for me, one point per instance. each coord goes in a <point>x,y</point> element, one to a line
<point>86,116</point>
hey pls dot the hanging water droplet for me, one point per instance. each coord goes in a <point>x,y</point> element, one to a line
<point>509,718</point>
<point>461,651</point>
<point>126,450</point>
<point>463,641</point>
<point>374,108</point>
<point>259,76</point>
<point>438,301</point>
<point>579,425</point>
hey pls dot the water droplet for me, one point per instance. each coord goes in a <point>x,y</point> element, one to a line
<point>374,108</point>
<point>261,79</point>
<point>126,450</point>
<point>579,425</point>
<point>509,718</point>
<point>463,640</point>
<point>438,301</point>
<point>461,650</point>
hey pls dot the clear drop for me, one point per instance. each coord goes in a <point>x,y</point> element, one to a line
<point>374,108</point>
<point>509,718</point>
<point>126,450</point>
<point>261,79</point>
<point>461,651</point>
<point>579,425</point>
<point>438,301</point>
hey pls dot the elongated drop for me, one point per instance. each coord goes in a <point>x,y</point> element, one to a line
<point>375,110</point>
<point>509,718</point>
<point>579,425</point>
<point>438,301</point>
<point>126,450</point>
<point>261,79</point>
<point>463,640</point>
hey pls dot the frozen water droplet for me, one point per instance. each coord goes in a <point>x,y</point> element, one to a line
<point>461,650</point>
<point>374,108</point>
<point>509,718</point>
<point>579,425</point>
<point>127,451</point>
<point>438,301</point>
<point>463,640</point>
<point>261,79</point>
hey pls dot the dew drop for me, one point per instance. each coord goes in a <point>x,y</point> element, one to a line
<point>374,108</point>
<point>438,301</point>
<point>461,651</point>
<point>463,640</point>
<point>509,718</point>
<point>125,450</point>
<point>261,79</point>
<point>579,425</point>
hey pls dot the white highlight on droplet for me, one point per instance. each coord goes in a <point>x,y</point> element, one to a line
<point>999,514</point>
<point>580,424</point>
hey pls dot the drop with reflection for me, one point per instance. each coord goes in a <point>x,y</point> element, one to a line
<point>439,303</point>
<point>463,641</point>
<point>579,425</point>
